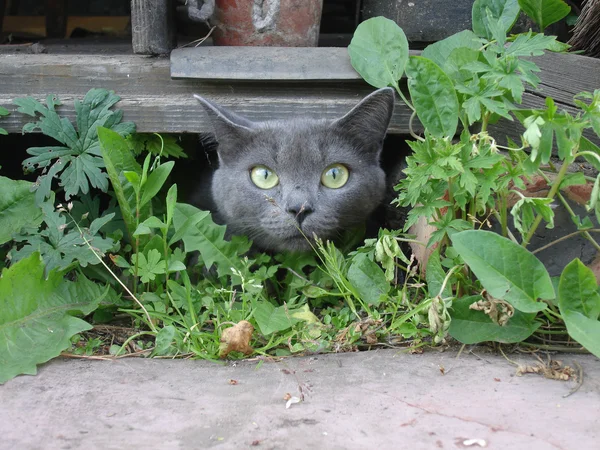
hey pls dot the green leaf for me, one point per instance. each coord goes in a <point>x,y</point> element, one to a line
<point>78,163</point>
<point>200,233</point>
<point>379,51</point>
<point>148,265</point>
<point>163,145</point>
<point>584,330</point>
<point>505,269</point>
<point>505,12</point>
<point>368,279</point>
<point>439,51</point>
<point>433,96</point>
<point>118,159</point>
<point>545,12</point>
<point>271,319</point>
<point>62,246</point>
<point>163,343</point>
<point>4,111</point>
<point>471,327</point>
<point>578,290</point>
<point>17,207</point>
<point>435,276</point>
<point>36,322</point>
<point>525,210</point>
<point>171,201</point>
<point>155,181</point>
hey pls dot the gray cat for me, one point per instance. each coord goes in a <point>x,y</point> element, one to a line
<point>281,182</point>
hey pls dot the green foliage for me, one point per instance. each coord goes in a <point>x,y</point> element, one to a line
<point>492,16</point>
<point>379,52</point>
<point>579,304</point>
<point>17,208</point>
<point>433,95</point>
<point>545,12</point>
<point>505,269</point>
<point>459,185</point>
<point>77,163</point>
<point>61,243</point>
<point>36,314</point>
<point>471,326</point>
<point>199,233</point>
<point>156,144</point>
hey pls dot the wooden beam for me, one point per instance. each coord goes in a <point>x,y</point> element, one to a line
<point>157,103</point>
<point>153,26</point>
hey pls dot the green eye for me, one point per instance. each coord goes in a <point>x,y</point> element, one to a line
<point>335,176</point>
<point>263,177</point>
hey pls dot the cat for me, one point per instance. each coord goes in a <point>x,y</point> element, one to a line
<point>283,182</point>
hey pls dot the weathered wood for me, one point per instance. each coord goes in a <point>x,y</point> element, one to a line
<point>153,26</point>
<point>263,64</point>
<point>157,103</point>
<point>423,20</point>
<point>56,18</point>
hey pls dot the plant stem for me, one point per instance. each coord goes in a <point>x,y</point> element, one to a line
<point>563,200</point>
<point>565,237</point>
<point>553,190</point>
<point>404,99</point>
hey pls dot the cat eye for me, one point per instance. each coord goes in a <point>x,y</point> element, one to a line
<point>335,176</point>
<point>263,177</point>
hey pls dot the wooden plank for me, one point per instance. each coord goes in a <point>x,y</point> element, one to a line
<point>262,64</point>
<point>157,103</point>
<point>152,26</point>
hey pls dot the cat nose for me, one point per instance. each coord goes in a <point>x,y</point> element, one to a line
<point>300,211</point>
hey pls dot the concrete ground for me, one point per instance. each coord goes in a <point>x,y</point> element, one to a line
<point>371,400</point>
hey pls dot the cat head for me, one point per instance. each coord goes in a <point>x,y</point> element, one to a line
<point>281,182</point>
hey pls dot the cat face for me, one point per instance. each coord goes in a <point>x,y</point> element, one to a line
<point>281,182</point>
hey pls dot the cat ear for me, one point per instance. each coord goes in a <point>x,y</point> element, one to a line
<point>231,130</point>
<point>369,120</point>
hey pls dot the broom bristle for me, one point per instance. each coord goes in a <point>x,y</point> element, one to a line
<point>586,33</point>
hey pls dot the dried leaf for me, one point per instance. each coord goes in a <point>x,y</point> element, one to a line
<point>553,370</point>
<point>236,339</point>
<point>498,310</point>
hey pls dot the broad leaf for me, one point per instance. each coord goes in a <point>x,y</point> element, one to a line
<point>505,269</point>
<point>545,12</point>
<point>368,279</point>
<point>433,96</point>
<point>77,163</point>
<point>379,51</point>
<point>504,13</point>
<point>155,181</point>
<point>584,330</point>
<point>578,290</point>
<point>271,319</point>
<point>17,208</point>
<point>35,315</point>
<point>471,327</point>
<point>439,51</point>
<point>200,233</point>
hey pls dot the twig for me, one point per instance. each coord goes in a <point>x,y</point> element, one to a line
<point>579,379</point>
